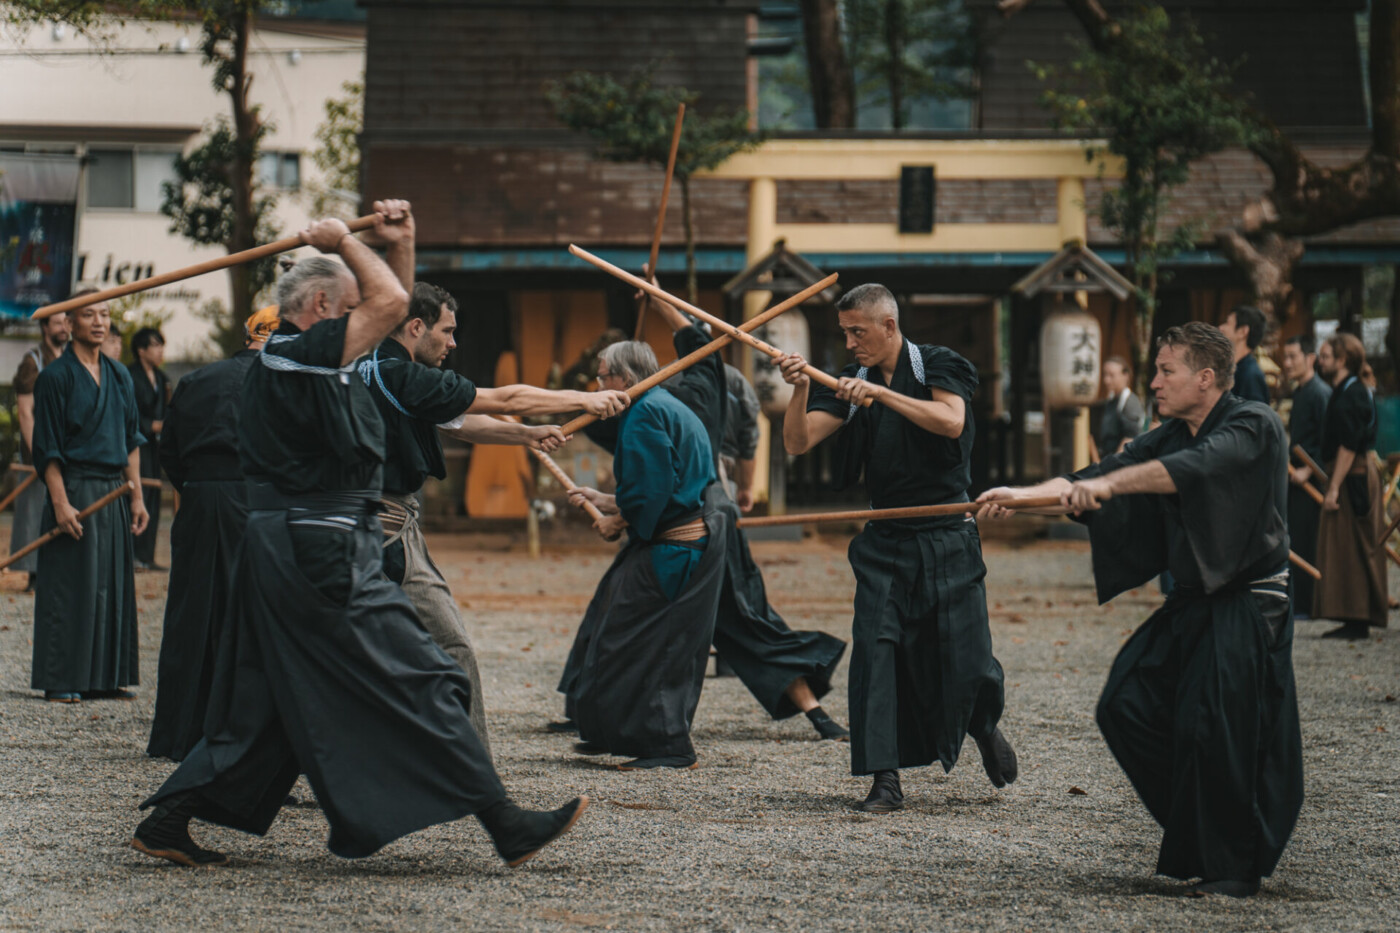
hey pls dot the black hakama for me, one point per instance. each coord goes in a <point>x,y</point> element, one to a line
<point>85,636</point>
<point>1200,707</point>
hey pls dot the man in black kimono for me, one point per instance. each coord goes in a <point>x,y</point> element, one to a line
<point>1200,707</point>
<point>416,397</point>
<point>634,676</point>
<point>199,452</point>
<point>787,672</point>
<point>1310,397</point>
<point>29,507</point>
<point>325,669</point>
<point>152,389</point>
<point>86,443</point>
<point>922,672</point>
<point>1244,327</point>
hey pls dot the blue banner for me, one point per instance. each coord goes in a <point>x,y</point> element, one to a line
<point>38,218</point>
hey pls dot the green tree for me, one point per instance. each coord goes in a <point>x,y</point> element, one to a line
<point>216,200</point>
<point>1160,102</point>
<point>633,120</point>
<point>904,51</point>
<point>337,194</point>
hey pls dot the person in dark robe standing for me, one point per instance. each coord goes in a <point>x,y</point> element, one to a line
<point>1244,327</point>
<point>1200,707</point>
<point>1353,589</point>
<point>199,452</point>
<point>416,397</point>
<point>1122,410</point>
<point>325,669</point>
<point>29,507</point>
<point>152,389</point>
<point>634,675</point>
<point>922,672</point>
<point>86,444</point>
<point>787,672</point>
<point>1310,396</point>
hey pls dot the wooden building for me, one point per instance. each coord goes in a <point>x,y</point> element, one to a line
<point>457,121</point>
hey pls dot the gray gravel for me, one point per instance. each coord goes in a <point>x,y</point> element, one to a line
<point>763,835</point>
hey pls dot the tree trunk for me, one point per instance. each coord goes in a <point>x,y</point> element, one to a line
<point>692,284</point>
<point>828,70</point>
<point>895,32</point>
<point>245,129</point>
<point>1269,267</point>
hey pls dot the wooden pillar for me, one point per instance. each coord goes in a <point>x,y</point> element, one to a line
<point>1073,216</point>
<point>763,221</point>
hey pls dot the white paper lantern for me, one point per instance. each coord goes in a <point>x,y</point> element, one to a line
<point>1070,347</point>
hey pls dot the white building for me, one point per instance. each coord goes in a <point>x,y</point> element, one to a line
<point>126,111</point>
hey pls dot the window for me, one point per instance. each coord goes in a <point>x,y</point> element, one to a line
<point>280,170</point>
<point>128,179</point>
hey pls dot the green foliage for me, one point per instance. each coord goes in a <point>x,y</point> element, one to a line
<point>96,21</point>
<point>1160,102</point>
<point>226,331</point>
<point>632,120</point>
<point>134,312</point>
<point>338,156</point>
<point>200,202</point>
<point>906,51</point>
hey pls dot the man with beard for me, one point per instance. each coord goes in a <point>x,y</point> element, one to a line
<point>923,677</point>
<point>29,507</point>
<point>199,452</point>
<point>86,444</point>
<point>327,670</point>
<point>1310,397</point>
<point>416,397</point>
<point>1200,707</point>
<point>1350,554</point>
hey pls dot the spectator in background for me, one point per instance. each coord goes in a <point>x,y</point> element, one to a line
<point>1353,588</point>
<point>1245,327</point>
<point>152,399</point>
<point>1122,410</point>
<point>1310,397</point>
<point>29,507</point>
<point>112,344</point>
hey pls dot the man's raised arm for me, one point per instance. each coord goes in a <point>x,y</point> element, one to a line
<point>383,301</point>
<point>802,429</point>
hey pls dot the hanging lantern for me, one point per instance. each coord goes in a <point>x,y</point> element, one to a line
<point>1070,342</point>
<point>788,331</point>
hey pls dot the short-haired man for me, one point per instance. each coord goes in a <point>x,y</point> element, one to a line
<point>86,444</point>
<point>1244,327</point>
<point>1122,410</point>
<point>327,670</point>
<point>1353,589</point>
<point>199,452</point>
<point>923,677</point>
<point>1305,420</point>
<point>416,397</point>
<point>29,507</point>
<point>638,662</point>
<point>1200,707</point>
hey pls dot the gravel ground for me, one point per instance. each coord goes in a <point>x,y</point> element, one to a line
<point>763,835</point>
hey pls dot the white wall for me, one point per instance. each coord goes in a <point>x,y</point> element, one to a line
<point>145,92</point>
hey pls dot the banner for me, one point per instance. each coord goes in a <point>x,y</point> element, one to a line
<point>38,217</point>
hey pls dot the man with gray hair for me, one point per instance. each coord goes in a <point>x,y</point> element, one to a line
<point>634,676</point>
<point>922,672</point>
<point>1200,707</point>
<point>326,670</point>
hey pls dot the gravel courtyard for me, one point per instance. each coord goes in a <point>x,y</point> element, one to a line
<point>763,835</point>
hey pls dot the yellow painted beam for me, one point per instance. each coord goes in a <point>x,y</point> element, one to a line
<point>882,158</point>
<point>946,238</point>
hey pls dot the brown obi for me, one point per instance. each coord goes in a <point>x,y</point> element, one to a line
<point>686,531</point>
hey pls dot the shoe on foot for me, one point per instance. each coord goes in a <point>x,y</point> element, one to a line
<point>827,727</point>
<point>590,748</point>
<point>1224,886</point>
<point>886,796</point>
<point>998,758</point>
<point>63,696</point>
<point>1349,631</point>
<point>679,762</point>
<point>563,727</point>
<point>519,834</point>
<point>166,834</point>
<point>118,694</point>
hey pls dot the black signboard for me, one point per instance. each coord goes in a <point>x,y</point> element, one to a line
<point>916,199</point>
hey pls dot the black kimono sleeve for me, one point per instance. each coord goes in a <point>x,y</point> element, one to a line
<point>1356,422</point>
<point>433,395</point>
